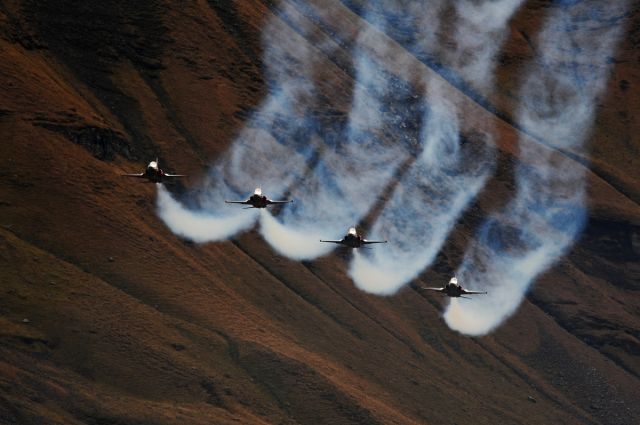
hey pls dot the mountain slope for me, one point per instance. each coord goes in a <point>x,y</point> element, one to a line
<point>127,323</point>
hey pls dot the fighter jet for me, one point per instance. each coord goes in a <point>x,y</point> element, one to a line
<point>154,173</point>
<point>453,289</point>
<point>353,240</point>
<point>258,200</point>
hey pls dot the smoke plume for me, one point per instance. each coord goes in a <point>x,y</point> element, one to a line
<point>452,167</point>
<point>559,95</point>
<point>353,167</point>
<point>365,125</point>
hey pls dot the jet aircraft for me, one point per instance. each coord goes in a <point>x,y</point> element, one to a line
<point>258,200</point>
<point>154,173</point>
<point>353,240</point>
<point>454,289</point>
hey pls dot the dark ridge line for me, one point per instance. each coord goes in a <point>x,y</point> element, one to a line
<point>352,331</point>
<point>447,74</point>
<point>110,283</point>
<point>234,355</point>
<point>455,81</point>
<point>376,209</point>
<point>602,415</point>
<point>240,31</point>
<point>311,163</point>
<point>321,310</point>
<point>347,68</point>
<point>466,90</point>
<point>522,375</point>
<point>176,312</point>
<point>92,70</point>
<point>414,350</point>
<point>327,313</point>
<point>577,409</point>
<point>285,362</point>
<point>167,105</point>
<point>603,175</point>
<point>412,285</point>
<point>540,306</point>
<point>402,168</point>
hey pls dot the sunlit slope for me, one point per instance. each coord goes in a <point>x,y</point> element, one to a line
<point>129,323</point>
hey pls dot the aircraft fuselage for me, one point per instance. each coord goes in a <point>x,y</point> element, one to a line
<point>352,241</point>
<point>258,201</point>
<point>154,174</point>
<point>453,290</point>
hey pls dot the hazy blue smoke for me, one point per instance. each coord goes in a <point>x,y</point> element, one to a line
<point>354,165</point>
<point>452,168</point>
<point>559,95</point>
<point>273,151</point>
<point>395,137</point>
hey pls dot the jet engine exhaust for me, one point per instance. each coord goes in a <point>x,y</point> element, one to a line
<point>198,225</point>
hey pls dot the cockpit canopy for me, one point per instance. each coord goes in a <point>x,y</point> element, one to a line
<point>454,281</point>
<point>258,191</point>
<point>153,164</point>
<point>352,231</point>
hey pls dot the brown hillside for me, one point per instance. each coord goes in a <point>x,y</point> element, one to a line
<point>106,317</point>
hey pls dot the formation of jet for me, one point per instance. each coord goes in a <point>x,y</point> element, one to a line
<point>154,173</point>
<point>454,289</point>
<point>258,200</point>
<point>353,240</point>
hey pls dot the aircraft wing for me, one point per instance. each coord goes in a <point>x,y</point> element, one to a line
<point>464,291</point>
<point>331,241</point>
<point>139,175</point>
<point>280,202</point>
<point>175,175</point>
<point>237,202</point>
<point>433,289</point>
<point>368,242</point>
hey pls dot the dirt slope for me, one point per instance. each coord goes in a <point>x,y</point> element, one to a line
<point>127,323</point>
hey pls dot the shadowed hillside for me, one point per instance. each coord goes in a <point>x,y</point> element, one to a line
<point>107,317</point>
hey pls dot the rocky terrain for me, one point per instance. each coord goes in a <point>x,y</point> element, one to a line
<point>106,317</point>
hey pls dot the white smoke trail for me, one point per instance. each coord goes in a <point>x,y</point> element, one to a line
<point>272,151</point>
<point>354,167</point>
<point>336,170</point>
<point>451,170</point>
<point>350,173</point>
<point>197,225</point>
<point>560,92</point>
<point>479,34</point>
